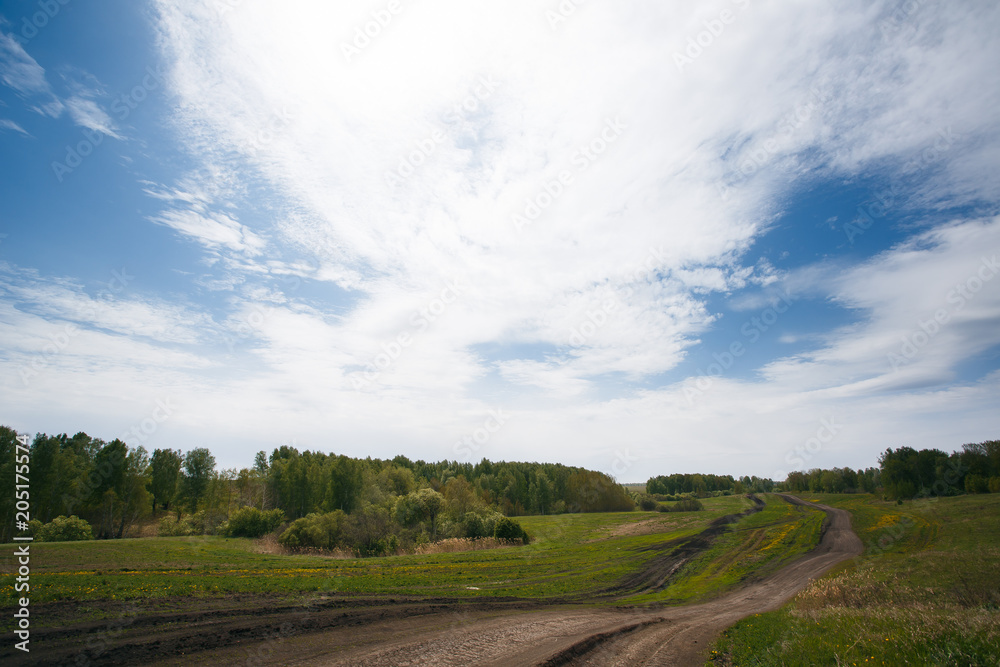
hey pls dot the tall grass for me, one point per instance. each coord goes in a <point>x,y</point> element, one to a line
<point>926,592</point>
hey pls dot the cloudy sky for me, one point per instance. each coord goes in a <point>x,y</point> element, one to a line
<point>738,236</point>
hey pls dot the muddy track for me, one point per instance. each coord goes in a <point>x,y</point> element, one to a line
<point>656,574</point>
<point>355,630</point>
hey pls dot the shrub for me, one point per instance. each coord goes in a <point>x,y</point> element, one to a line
<point>379,546</point>
<point>994,484</point>
<point>251,522</point>
<point>509,529</point>
<point>62,529</point>
<point>207,522</point>
<point>976,484</point>
<point>687,505</point>
<point>318,531</point>
<point>170,527</point>
<point>474,526</point>
<point>647,504</point>
<point>481,523</point>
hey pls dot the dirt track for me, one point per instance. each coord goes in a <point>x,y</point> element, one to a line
<point>677,636</point>
<point>397,632</point>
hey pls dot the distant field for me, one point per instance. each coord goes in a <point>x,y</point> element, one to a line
<point>570,555</point>
<point>926,591</point>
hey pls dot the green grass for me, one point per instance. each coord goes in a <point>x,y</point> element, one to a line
<point>569,555</point>
<point>926,592</point>
<point>750,549</point>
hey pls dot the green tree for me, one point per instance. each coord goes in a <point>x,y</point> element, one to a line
<point>8,465</point>
<point>199,467</point>
<point>164,475</point>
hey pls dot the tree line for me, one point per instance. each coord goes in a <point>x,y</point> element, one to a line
<point>115,487</point>
<point>905,473</point>
<point>703,485</point>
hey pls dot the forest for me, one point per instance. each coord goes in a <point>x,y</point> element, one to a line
<point>366,505</point>
<point>373,506</point>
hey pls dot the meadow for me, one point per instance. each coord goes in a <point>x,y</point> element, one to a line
<point>572,557</point>
<point>925,592</point>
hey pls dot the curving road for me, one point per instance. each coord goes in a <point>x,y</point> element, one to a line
<point>675,636</point>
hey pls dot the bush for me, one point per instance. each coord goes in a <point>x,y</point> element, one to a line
<point>687,505</point>
<point>508,529</point>
<point>318,531</point>
<point>481,523</point>
<point>994,484</point>
<point>474,526</point>
<point>62,529</point>
<point>976,484</point>
<point>379,546</point>
<point>207,522</point>
<point>647,504</point>
<point>170,527</point>
<point>251,522</point>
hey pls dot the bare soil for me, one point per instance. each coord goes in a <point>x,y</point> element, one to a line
<point>395,631</point>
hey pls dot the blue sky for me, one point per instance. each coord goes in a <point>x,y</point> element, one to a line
<point>643,239</point>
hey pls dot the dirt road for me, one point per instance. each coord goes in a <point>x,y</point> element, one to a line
<point>344,630</point>
<point>675,636</point>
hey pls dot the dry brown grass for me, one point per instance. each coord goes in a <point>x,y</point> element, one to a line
<point>269,545</point>
<point>455,544</point>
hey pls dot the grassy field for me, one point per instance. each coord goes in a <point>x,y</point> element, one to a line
<point>570,555</point>
<point>753,548</point>
<point>926,592</point>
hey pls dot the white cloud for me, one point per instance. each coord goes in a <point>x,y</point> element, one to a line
<point>86,113</point>
<point>12,126</point>
<point>926,306</point>
<point>786,93</point>
<point>213,230</point>
<point>23,73</point>
<point>19,70</point>
<point>398,172</point>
